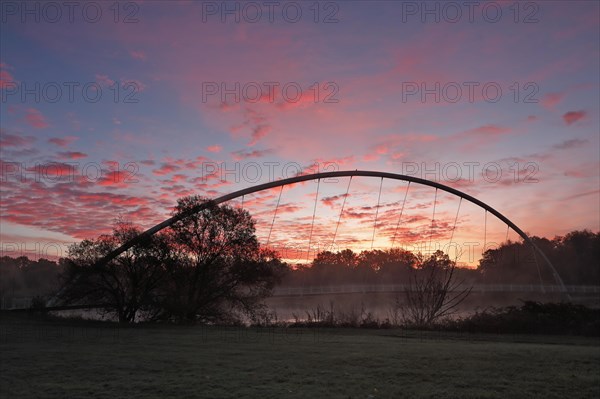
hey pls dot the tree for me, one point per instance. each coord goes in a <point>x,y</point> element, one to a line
<point>396,266</point>
<point>124,286</point>
<point>334,267</point>
<point>512,262</point>
<point>433,292</point>
<point>23,277</point>
<point>221,267</point>
<point>577,257</point>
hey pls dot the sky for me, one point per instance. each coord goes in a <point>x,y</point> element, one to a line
<point>114,110</point>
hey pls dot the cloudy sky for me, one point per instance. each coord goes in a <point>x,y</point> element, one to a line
<point>117,109</point>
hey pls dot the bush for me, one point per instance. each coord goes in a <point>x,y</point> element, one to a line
<point>38,302</point>
<point>532,318</point>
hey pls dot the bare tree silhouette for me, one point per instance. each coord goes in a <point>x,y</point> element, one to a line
<point>433,292</point>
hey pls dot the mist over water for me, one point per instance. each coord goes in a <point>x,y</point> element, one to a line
<point>382,306</point>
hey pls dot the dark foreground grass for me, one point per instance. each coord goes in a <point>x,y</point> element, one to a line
<point>43,359</point>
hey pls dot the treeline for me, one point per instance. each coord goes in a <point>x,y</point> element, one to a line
<point>392,266</point>
<point>576,257</point>
<point>22,277</point>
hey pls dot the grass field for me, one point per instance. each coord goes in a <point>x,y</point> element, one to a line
<point>42,359</point>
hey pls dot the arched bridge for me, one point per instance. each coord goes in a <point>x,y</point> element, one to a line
<point>337,174</point>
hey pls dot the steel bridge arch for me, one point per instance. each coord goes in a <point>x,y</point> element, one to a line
<point>326,175</point>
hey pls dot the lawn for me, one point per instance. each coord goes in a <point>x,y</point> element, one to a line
<point>43,359</point>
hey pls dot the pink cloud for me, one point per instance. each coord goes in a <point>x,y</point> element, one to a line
<point>114,199</point>
<point>305,98</point>
<point>54,171</point>
<point>62,141</point>
<point>178,178</point>
<point>171,164</point>
<point>288,208</point>
<point>486,130</point>
<point>575,173</point>
<point>256,122</point>
<point>242,154</point>
<point>104,80</point>
<point>381,149</point>
<point>165,169</point>
<point>214,148</point>
<point>29,205</point>
<point>133,85</point>
<point>13,140</point>
<point>573,116</point>
<point>36,119</point>
<point>116,179</point>
<point>6,79</point>
<point>258,133</point>
<point>332,201</point>
<point>569,144</point>
<point>376,152</point>
<point>72,155</point>
<point>550,100</point>
<point>370,157</point>
<point>582,194</point>
<point>329,162</point>
<point>480,136</point>
<point>138,55</point>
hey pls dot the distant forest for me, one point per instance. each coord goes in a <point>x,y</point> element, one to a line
<point>576,257</point>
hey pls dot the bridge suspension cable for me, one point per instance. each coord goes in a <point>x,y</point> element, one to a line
<point>432,221</point>
<point>484,232</point>
<point>274,216</point>
<point>400,217</point>
<point>504,250</point>
<point>341,212</point>
<point>454,228</point>
<point>484,238</point>
<point>312,225</point>
<point>537,265</point>
<point>376,213</point>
